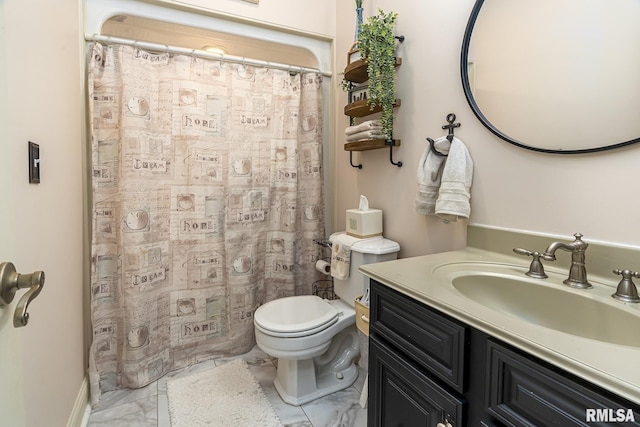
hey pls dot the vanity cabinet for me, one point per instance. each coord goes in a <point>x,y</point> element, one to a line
<point>426,367</point>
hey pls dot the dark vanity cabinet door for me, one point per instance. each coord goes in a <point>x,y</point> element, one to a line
<point>405,396</point>
<point>416,363</point>
<point>522,391</point>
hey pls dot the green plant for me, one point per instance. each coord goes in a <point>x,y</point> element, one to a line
<point>377,46</point>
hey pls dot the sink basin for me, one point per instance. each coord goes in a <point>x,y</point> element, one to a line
<point>589,313</point>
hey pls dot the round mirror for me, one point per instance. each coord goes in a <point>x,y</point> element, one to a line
<point>557,76</point>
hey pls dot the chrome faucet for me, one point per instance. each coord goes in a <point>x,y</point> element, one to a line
<point>577,272</point>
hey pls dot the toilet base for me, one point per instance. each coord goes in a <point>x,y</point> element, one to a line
<point>301,381</point>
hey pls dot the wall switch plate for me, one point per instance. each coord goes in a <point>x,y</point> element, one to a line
<point>34,163</point>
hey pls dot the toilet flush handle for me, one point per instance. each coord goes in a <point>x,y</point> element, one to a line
<point>10,282</point>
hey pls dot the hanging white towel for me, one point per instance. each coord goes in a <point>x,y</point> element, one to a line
<point>341,255</point>
<point>364,126</point>
<point>340,261</point>
<point>364,135</point>
<point>429,177</point>
<point>455,185</point>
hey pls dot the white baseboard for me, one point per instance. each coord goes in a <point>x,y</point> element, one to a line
<point>79,416</point>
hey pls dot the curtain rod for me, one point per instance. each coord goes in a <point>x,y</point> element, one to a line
<point>202,54</point>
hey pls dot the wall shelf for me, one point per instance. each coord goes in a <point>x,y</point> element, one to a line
<point>356,72</point>
<point>370,144</point>
<point>361,109</point>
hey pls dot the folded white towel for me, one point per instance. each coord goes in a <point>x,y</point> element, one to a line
<point>429,176</point>
<point>368,125</point>
<point>364,135</point>
<point>455,185</point>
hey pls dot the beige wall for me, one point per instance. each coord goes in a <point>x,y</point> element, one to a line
<point>44,98</point>
<point>513,188</point>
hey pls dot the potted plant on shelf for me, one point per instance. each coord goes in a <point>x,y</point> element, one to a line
<point>377,46</point>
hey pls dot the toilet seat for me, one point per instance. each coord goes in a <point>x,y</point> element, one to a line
<point>295,316</point>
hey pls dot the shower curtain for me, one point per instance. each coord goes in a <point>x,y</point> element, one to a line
<point>206,199</point>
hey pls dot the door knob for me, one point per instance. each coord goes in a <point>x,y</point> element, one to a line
<point>10,282</point>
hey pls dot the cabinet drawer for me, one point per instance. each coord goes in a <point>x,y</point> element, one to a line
<point>404,395</point>
<point>433,340</point>
<point>524,392</point>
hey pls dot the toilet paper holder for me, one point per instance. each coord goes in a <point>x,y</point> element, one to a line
<point>325,243</point>
<point>10,282</point>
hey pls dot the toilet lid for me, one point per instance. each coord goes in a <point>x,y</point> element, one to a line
<point>293,315</point>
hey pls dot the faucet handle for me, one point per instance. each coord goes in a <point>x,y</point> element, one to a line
<point>536,269</point>
<point>627,291</point>
<point>626,274</point>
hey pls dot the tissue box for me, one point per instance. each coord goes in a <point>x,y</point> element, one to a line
<point>364,224</point>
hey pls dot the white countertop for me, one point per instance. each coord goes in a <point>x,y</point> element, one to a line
<point>613,367</point>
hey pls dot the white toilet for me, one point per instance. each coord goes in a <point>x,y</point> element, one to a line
<point>315,340</point>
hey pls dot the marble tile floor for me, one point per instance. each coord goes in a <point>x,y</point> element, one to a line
<point>148,407</point>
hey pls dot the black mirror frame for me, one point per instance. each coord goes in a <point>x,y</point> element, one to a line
<point>464,72</point>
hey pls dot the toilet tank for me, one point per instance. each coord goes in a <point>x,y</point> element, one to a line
<point>363,251</point>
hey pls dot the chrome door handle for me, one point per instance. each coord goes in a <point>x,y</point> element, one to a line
<point>10,282</point>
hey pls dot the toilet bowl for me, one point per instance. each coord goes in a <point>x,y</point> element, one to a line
<point>316,344</point>
<point>316,340</point>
